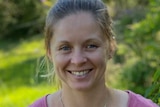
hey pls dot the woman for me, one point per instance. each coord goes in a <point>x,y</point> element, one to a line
<point>79,43</point>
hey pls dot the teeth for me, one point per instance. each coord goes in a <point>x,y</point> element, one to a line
<point>81,73</point>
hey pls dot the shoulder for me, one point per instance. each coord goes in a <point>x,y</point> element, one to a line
<point>42,102</point>
<point>136,100</point>
<point>53,100</point>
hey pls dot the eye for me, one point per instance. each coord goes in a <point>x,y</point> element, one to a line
<point>91,46</point>
<point>65,48</point>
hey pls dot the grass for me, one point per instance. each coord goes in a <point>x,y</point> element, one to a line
<point>19,59</point>
<point>18,62</point>
<point>23,96</point>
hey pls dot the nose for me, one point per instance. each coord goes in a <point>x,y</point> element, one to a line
<point>78,58</point>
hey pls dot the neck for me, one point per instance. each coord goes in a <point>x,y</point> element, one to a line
<point>97,97</point>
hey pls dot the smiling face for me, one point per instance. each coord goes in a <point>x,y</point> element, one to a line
<point>79,52</point>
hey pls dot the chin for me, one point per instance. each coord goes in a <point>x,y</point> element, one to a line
<point>81,87</point>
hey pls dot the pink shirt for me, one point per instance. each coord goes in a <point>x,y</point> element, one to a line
<point>135,100</point>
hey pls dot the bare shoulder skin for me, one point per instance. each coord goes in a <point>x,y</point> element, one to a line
<point>121,98</point>
<point>53,100</point>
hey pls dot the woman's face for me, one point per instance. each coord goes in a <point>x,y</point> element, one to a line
<point>79,52</point>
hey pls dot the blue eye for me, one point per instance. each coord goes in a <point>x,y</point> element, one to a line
<point>91,46</point>
<point>65,48</point>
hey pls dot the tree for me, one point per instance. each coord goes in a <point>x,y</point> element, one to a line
<point>21,18</point>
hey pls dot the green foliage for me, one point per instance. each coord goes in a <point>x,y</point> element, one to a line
<point>129,3</point>
<point>21,17</point>
<point>154,91</point>
<point>142,72</point>
<point>142,37</point>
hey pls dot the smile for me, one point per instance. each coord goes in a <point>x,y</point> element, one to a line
<point>80,73</point>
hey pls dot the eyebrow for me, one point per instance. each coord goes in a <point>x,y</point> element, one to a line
<point>93,40</point>
<point>96,40</point>
<point>62,43</point>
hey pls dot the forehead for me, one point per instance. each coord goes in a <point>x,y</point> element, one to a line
<point>76,19</point>
<point>77,24</point>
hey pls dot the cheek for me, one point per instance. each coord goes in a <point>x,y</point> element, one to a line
<point>60,62</point>
<point>99,58</point>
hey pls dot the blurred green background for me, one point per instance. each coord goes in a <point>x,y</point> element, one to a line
<point>135,66</point>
